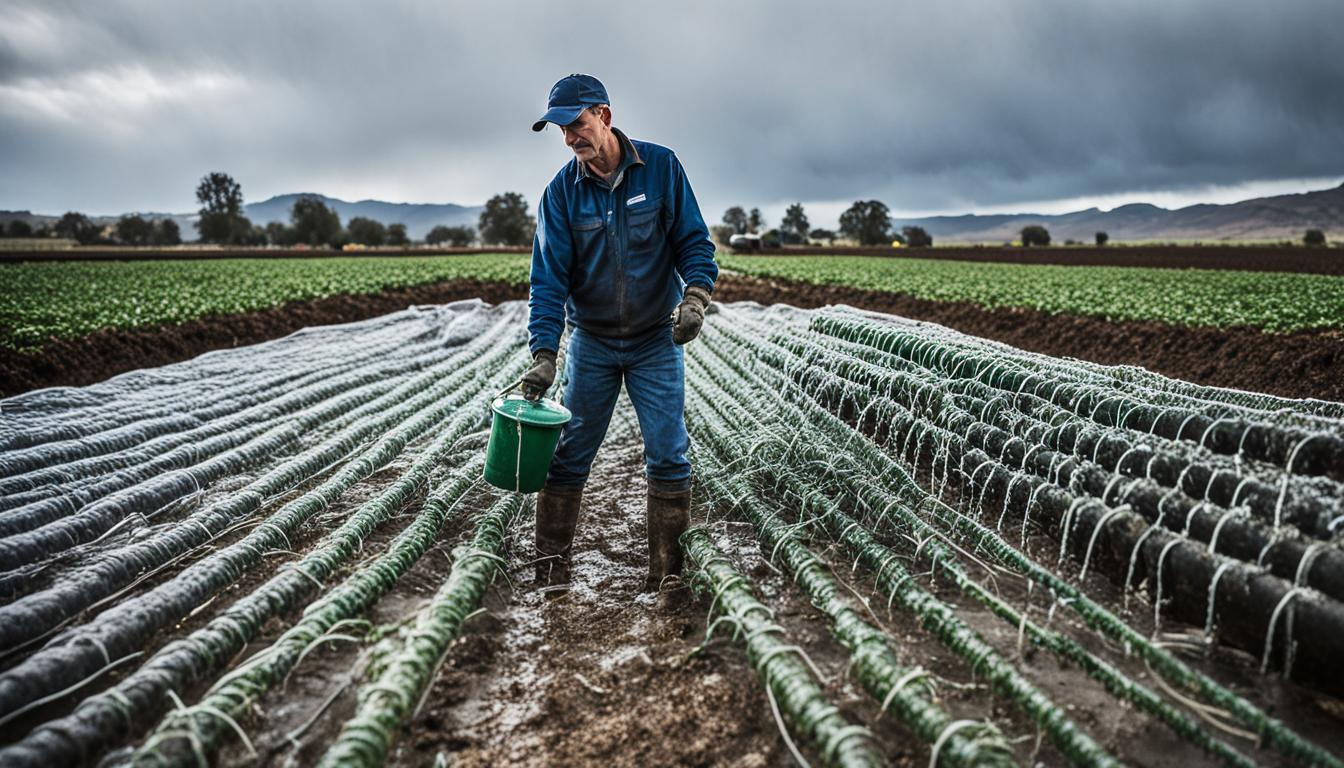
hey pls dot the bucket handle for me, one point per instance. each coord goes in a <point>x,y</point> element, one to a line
<point>507,389</point>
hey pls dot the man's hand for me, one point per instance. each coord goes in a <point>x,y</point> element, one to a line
<point>689,315</point>
<point>540,376</point>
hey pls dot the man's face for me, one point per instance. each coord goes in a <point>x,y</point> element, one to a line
<point>588,135</point>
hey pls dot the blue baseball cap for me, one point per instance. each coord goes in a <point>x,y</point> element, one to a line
<point>569,98</point>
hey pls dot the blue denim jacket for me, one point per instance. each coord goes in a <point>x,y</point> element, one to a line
<point>616,260</point>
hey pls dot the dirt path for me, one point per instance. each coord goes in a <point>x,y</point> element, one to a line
<point>597,675</point>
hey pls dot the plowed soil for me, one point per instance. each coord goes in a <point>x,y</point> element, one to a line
<point>100,355</point>
<point>1250,258</point>
<point>1302,364</point>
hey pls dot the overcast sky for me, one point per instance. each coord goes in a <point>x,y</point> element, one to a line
<point>948,107</point>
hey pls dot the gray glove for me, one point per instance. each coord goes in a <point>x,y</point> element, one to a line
<point>540,376</point>
<point>689,315</point>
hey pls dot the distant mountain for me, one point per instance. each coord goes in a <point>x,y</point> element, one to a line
<point>1283,217</point>
<point>419,218</point>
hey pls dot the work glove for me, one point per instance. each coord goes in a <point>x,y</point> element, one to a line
<point>689,315</point>
<point>540,376</point>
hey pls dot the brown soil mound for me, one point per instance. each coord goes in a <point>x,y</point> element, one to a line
<point>1251,258</point>
<point>1303,364</point>
<point>100,355</point>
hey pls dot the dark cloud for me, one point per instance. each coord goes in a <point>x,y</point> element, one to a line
<point>111,106</point>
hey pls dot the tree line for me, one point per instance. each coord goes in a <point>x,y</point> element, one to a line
<point>129,230</point>
<point>505,221</point>
<point>867,222</point>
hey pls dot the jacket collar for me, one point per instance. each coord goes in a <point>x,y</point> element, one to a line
<point>629,156</point>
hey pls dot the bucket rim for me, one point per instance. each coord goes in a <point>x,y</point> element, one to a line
<point>542,412</point>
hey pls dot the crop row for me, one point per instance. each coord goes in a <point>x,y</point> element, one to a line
<point>430,413</point>
<point>1272,301</point>
<point>875,468</point>
<point>916,454</point>
<point>70,299</point>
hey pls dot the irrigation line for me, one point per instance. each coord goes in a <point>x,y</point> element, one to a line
<point>1033,420</point>
<point>405,673</point>
<point>790,682</point>
<point>1065,500</point>
<point>79,588</point>
<point>44,416</point>
<point>879,671</point>
<point>170,476</point>
<point>940,619</point>
<point>207,648</point>
<point>1226,432</point>
<point>951,521</point>
<point>91,456</point>
<point>222,568</point>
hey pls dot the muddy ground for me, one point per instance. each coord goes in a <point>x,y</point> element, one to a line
<point>1302,364</point>
<point>599,676</point>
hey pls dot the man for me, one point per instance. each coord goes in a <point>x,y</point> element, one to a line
<point>619,234</point>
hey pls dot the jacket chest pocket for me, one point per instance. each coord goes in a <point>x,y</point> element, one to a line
<point>587,235</point>
<point>645,228</point>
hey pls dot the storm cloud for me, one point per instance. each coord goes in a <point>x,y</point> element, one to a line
<point>116,106</point>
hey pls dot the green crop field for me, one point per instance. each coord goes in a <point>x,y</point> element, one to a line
<point>1271,301</point>
<point>71,299</point>
<point>74,298</point>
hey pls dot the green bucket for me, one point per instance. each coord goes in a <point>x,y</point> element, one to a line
<point>523,437</point>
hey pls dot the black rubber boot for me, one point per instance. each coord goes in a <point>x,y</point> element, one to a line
<point>557,516</point>
<point>669,514</point>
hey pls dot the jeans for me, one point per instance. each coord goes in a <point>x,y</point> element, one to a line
<point>654,375</point>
